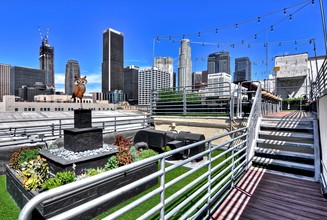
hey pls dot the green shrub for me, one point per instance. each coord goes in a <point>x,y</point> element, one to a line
<point>61,178</point>
<point>34,173</point>
<point>111,164</point>
<point>134,154</point>
<point>147,153</point>
<point>28,155</point>
<point>92,172</point>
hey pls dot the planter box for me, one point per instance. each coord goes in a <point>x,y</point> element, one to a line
<point>58,164</point>
<point>69,200</point>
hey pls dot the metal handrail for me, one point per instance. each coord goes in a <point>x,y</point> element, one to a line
<point>26,211</point>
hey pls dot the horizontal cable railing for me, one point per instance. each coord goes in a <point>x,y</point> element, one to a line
<point>29,131</point>
<point>190,100</point>
<point>215,176</point>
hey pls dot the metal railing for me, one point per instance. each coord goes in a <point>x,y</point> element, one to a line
<point>210,99</point>
<point>210,185</point>
<point>215,177</point>
<point>319,87</point>
<point>27,131</point>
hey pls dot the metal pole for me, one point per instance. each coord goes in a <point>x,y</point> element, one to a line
<point>323,23</point>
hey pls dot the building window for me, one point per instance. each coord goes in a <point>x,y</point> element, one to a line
<point>33,109</point>
<point>16,109</point>
<point>29,109</point>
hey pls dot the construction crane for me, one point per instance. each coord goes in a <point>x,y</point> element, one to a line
<point>45,39</point>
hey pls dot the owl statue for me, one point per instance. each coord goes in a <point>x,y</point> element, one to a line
<point>80,88</point>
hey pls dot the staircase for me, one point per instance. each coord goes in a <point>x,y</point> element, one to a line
<point>289,147</point>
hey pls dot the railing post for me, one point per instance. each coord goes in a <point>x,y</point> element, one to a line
<point>184,101</point>
<point>60,128</point>
<point>115,124</point>
<point>52,129</point>
<point>162,184</point>
<point>209,177</point>
<point>233,166</point>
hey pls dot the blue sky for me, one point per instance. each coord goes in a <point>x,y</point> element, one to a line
<point>76,31</point>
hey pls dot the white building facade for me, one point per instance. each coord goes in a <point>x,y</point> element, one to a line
<point>166,64</point>
<point>151,79</point>
<point>219,83</point>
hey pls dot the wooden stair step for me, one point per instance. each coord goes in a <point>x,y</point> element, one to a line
<point>283,163</point>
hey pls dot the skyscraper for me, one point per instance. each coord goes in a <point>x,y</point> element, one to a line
<point>72,70</point>
<point>47,62</point>
<point>242,70</point>
<point>185,64</point>
<point>219,62</point>
<point>24,77</point>
<point>113,61</point>
<point>131,83</point>
<point>4,80</point>
<point>166,64</point>
<point>151,79</point>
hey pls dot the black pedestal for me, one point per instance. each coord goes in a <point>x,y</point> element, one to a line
<point>82,118</point>
<point>81,139</point>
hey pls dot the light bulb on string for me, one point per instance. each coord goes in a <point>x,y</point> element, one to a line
<point>259,20</point>
<point>199,34</point>
<point>202,44</point>
<point>271,28</point>
<point>236,26</point>
<point>295,42</point>
<point>280,44</point>
<point>255,36</point>
<point>218,45</point>
<point>284,11</point>
<point>170,38</point>
<point>290,17</point>
<point>248,45</point>
<point>313,2</point>
<point>264,44</point>
<point>183,36</point>
<point>216,30</point>
<point>173,41</point>
<point>242,41</point>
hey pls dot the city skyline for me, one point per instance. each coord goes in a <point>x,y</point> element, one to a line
<point>140,22</point>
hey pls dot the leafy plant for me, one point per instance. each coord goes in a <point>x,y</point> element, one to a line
<point>111,164</point>
<point>124,155</point>
<point>92,172</point>
<point>147,153</point>
<point>34,173</point>
<point>61,178</point>
<point>27,155</point>
<point>14,158</point>
<point>134,153</point>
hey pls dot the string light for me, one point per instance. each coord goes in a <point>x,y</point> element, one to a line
<point>280,44</point>
<point>218,45</point>
<point>183,36</point>
<point>271,28</point>
<point>301,5</point>
<point>249,45</point>
<point>255,36</point>
<point>295,42</point>
<point>313,2</point>
<point>242,41</point>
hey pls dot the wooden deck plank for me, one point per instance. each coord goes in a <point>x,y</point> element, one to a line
<point>261,195</point>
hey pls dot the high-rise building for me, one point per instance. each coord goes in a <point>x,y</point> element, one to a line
<point>218,83</point>
<point>72,70</point>
<point>151,79</point>
<point>4,80</point>
<point>219,62</point>
<point>185,64</point>
<point>113,61</point>
<point>242,70</point>
<point>166,64</point>
<point>22,77</point>
<point>47,62</point>
<point>131,83</point>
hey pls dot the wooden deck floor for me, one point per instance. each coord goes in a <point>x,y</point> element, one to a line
<point>260,195</point>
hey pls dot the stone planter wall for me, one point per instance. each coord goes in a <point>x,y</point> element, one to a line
<point>74,198</point>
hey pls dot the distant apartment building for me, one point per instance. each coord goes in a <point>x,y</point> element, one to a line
<point>131,85</point>
<point>27,93</point>
<point>23,77</point>
<point>151,79</point>
<point>46,59</point>
<point>242,70</point>
<point>72,70</point>
<point>113,61</point>
<point>166,64</point>
<point>200,79</point>
<point>185,64</point>
<point>219,62</point>
<point>4,80</point>
<point>219,83</point>
<point>292,79</point>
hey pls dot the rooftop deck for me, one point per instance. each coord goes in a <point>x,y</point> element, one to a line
<point>262,195</point>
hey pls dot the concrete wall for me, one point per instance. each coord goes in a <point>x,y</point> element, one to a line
<point>210,127</point>
<point>323,130</point>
